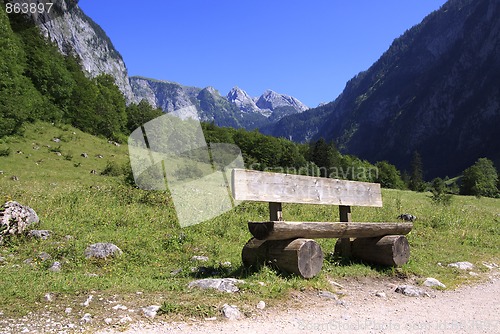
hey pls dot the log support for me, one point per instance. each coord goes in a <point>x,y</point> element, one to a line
<point>302,257</point>
<point>389,250</point>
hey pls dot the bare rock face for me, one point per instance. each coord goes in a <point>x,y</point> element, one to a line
<point>243,101</point>
<point>272,100</point>
<point>15,219</point>
<point>76,32</point>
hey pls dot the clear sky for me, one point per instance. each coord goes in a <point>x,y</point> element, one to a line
<point>307,49</point>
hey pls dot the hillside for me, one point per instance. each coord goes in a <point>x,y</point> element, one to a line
<point>435,91</point>
<point>81,208</point>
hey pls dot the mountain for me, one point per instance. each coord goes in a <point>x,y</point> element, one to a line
<point>75,32</point>
<point>236,109</point>
<point>435,91</point>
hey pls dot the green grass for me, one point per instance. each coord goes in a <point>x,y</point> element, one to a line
<point>97,208</point>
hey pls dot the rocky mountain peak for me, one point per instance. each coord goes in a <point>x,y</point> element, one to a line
<point>272,100</point>
<point>212,90</point>
<point>242,100</point>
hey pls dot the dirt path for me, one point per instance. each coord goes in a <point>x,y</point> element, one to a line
<point>472,309</point>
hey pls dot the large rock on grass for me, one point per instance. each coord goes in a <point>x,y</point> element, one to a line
<point>15,219</point>
<point>102,251</point>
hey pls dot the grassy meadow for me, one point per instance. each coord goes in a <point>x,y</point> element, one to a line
<point>156,260</point>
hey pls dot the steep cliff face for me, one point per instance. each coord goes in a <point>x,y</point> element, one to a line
<point>75,32</point>
<point>435,91</point>
<point>236,109</point>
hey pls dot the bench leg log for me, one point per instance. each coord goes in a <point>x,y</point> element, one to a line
<point>390,250</point>
<point>302,257</point>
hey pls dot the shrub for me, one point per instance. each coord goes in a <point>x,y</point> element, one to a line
<point>5,151</point>
<point>440,192</point>
<point>481,179</point>
<point>113,169</point>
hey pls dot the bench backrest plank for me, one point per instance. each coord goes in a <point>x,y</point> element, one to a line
<point>249,185</point>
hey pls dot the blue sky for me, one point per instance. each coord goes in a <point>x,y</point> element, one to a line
<point>307,49</point>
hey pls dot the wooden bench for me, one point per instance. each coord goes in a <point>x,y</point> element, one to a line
<point>290,245</point>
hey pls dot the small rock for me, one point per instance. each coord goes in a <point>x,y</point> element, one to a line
<point>102,251</point>
<point>120,307</point>
<point>226,264</point>
<point>56,267</point>
<point>432,282</point>
<point>87,302</point>
<point>108,321</point>
<point>85,155</point>
<point>231,312</point>
<point>150,311</point>
<point>48,297</point>
<point>221,284</point>
<point>327,294</point>
<point>490,266</point>
<point>68,310</point>
<point>14,178</point>
<point>381,295</point>
<point>261,305</point>
<point>210,319</point>
<point>462,265</point>
<point>411,291</point>
<point>3,260</point>
<point>336,284</point>
<point>56,140</point>
<point>87,318</point>
<point>175,272</point>
<point>125,319</point>
<point>39,234</point>
<point>44,256</point>
<point>99,156</point>
<point>58,154</point>
<point>93,171</point>
<point>199,258</point>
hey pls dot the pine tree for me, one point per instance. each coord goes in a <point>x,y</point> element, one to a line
<point>417,175</point>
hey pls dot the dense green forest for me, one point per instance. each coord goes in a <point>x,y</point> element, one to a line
<point>37,82</point>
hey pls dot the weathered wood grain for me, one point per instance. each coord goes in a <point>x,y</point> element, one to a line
<point>248,185</point>
<point>281,230</point>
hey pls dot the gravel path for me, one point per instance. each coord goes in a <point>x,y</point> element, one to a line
<point>471,309</point>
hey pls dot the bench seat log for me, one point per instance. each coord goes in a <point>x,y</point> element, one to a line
<point>281,230</point>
